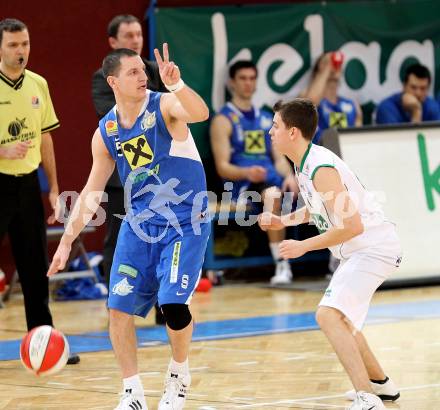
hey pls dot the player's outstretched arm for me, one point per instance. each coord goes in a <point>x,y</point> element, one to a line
<point>339,204</point>
<point>183,103</point>
<point>84,209</point>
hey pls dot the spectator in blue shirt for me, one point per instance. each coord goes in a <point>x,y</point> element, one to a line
<point>413,104</point>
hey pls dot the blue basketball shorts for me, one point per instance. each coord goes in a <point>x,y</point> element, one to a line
<point>166,271</point>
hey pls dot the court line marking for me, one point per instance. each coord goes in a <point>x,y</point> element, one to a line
<point>94,379</point>
<point>246,363</point>
<point>149,373</point>
<point>336,396</point>
<point>58,384</point>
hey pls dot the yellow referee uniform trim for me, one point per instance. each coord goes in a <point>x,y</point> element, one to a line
<point>26,112</point>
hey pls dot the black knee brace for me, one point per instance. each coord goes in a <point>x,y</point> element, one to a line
<point>177,315</point>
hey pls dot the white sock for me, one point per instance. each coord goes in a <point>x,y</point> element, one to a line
<point>134,383</point>
<point>179,368</point>
<point>275,250</point>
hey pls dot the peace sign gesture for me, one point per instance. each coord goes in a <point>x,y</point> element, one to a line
<point>169,72</point>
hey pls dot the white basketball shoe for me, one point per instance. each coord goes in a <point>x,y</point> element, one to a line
<point>367,401</point>
<point>386,391</point>
<point>283,274</point>
<point>176,388</point>
<point>132,401</point>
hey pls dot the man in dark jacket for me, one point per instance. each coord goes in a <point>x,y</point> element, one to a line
<point>124,31</point>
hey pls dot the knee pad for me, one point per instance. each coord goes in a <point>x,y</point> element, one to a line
<point>177,315</point>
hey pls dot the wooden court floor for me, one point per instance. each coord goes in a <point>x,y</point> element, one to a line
<point>295,370</point>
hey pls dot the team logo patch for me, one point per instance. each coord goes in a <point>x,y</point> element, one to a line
<point>111,128</point>
<point>254,142</point>
<point>265,123</point>
<point>137,152</point>
<point>122,288</point>
<point>346,107</point>
<point>149,120</point>
<point>35,102</point>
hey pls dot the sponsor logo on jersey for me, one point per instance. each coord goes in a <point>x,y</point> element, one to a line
<point>122,288</point>
<point>338,120</point>
<point>175,262</point>
<point>127,270</point>
<point>137,152</point>
<point>320,223</point>
<point>15,127</point>
<point>35,102</point>
<point>185,280</point>
<point>111,128</point>
<point>234,118</point>
<point>5,102</point>
<point>149,120</point>
<point>254,142</point>
<point>144,175</point>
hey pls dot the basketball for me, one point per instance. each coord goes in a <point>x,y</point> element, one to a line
<point>44,351</point>
<point>204,285</point>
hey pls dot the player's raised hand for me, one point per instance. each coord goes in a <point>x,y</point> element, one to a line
<point>59,259</point>
<point>169,72</point>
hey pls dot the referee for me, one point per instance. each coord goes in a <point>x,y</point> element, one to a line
<point>26,118</point>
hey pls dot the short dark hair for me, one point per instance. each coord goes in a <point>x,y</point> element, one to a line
<point>113,26</point>
<point>419,70</point>
<point>112,62</point>
<point>300,113</point>
<point>11,26</point>
<point>238,65</point>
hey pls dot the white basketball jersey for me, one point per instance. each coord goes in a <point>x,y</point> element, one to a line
<point>376,228</point>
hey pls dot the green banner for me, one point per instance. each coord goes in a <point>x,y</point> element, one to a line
<point>378,38</point>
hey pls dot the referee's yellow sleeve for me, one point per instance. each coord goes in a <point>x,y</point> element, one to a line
<point>49,120</point>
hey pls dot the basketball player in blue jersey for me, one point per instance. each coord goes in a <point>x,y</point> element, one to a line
<point>242,152</point>
<point>163,237</point>
<point>334,111</point>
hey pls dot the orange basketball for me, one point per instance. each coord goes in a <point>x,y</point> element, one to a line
<point>44,351</point>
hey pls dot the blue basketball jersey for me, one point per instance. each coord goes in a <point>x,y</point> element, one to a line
<point>340,115</point>
<point>164,179</point>
<point>250,139</point>
<point>251,144</point>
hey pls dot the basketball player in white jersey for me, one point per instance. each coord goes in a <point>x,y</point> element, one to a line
<point>352,225</point>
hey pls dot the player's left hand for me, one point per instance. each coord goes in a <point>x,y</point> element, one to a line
<point>292,249</point>
<point>59,259</point>
<point>55,205</point>
<point>169,72</point>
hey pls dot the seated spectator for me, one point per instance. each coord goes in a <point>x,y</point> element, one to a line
<point>242,152</point>
<point>413,104</point>
<point>334,111</point>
